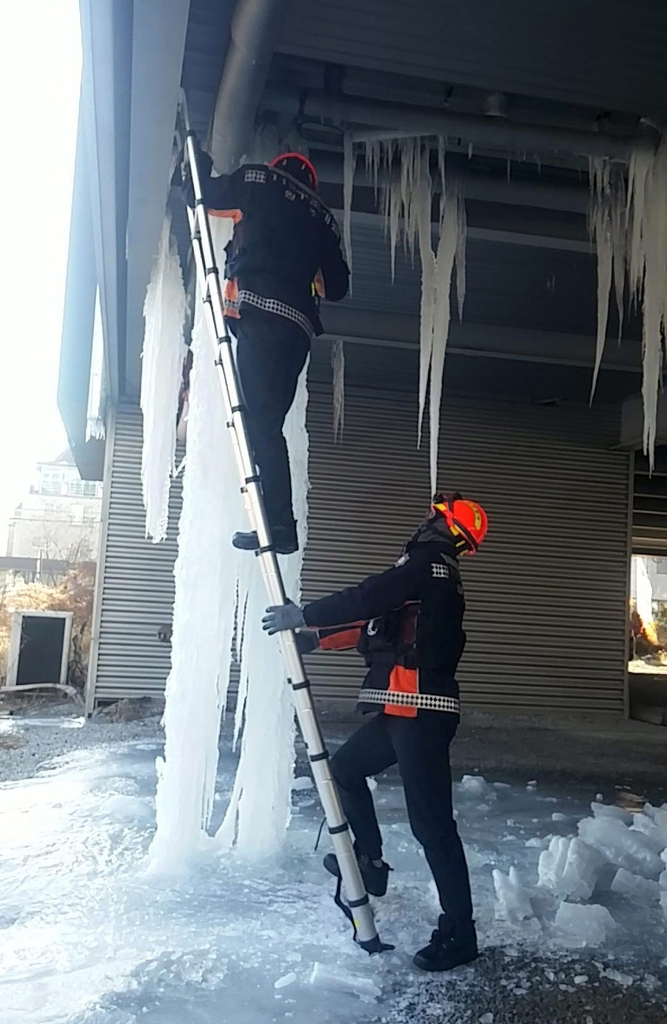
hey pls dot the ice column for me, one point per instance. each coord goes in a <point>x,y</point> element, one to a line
<point>217,587</point>
<point>259,810</point>
<point>162,363</point>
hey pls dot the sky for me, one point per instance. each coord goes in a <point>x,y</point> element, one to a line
<point>40,73</point>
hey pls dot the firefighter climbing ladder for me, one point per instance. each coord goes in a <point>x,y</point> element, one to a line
<point>358,908</point>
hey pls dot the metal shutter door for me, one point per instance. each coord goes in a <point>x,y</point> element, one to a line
<point>136,591</point>
<point>547,596</point>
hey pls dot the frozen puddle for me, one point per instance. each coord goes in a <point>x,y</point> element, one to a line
<point>86,937</point>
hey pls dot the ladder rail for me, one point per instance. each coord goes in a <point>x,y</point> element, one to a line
<point>360,910</point>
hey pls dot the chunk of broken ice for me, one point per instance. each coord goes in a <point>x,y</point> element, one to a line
<point>584,924</point>
<point>287,979</point>
<point>649,827</point>
<point>513,902</point>
<point>570,868</point>
<point>302,782</point>
<point>611,811</point>
<point>621,846</point>
<point>337,980</point>
<point>476,786</point>
<point>634,885</point>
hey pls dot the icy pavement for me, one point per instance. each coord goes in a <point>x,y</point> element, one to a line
<point>87,937</point>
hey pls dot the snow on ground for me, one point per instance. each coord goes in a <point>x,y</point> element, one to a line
<point>88,937</point>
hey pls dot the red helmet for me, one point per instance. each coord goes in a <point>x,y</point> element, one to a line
<point>297,166</point>
<point>466,519</point>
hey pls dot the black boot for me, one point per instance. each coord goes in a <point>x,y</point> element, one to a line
<point>284,540</point>
<point>375,878</point>
<point>449,947</point>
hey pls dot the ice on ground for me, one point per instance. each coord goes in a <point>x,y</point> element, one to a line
<point>287,979</point>
<point>558,816</point>
<point>302,782</point>
<point>77,904</point>
<point>343,981</point>
<point>663,903</point>
<point>621,979</point>
<point>635,886</point>
<point>476,786</point>
<point>621,846</point>
<point>611,811</point>
<point>513,902</point>
<point>570,868</point>
<point>585,925</point>
<point>655,834</point>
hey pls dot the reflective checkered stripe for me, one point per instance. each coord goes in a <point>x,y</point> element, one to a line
<point>426,701</point>
<point>270,306</point>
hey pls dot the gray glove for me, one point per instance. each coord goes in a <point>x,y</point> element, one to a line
<point>281,617</point>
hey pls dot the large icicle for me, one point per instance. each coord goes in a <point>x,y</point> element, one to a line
<point>449,248</point>
<point>259,810</point>
<point>349,168</point>
<point>206,596</point>
<point>408,200</point>
<point>338,368</point>
<point>599,226</point>
<point>648,275</point>
<point>162,363</point>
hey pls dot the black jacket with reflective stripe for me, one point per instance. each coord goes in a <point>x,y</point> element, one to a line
<point>426,577</point>
<point>284,236</point>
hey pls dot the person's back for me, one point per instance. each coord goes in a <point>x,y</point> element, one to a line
<point>285,243</point>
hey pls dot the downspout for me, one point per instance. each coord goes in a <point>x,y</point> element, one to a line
<point>253,34</point>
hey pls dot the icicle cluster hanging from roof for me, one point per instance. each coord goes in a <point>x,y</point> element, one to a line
<point>629,230</point>
<point>162,363</point>
<point>407,204</point>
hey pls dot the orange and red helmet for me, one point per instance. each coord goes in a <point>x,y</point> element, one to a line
<point>467,520</point>
<point>297,166</point>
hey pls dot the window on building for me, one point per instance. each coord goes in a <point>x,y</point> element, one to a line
<point>661,566</point>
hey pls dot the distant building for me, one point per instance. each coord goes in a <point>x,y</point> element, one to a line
<point>59,520</point>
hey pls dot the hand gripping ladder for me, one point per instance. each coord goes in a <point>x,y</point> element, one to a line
<point>358,908</point>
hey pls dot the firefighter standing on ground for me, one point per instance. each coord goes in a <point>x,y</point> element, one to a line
<point>284,255</point>
<point>408,625</point>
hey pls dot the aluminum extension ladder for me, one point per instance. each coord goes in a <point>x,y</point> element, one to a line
<point>358,908</point>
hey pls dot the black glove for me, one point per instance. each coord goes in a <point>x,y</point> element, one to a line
<point>307,642</point>
<point>205,165</point>
<point>283,616</point>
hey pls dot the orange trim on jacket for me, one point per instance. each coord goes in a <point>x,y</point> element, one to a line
<point>236,215</point>
<point>401,680</point>
<point>345,640</point>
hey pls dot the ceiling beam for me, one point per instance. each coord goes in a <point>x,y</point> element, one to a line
<point>499,133</point>
<point>401,330</point>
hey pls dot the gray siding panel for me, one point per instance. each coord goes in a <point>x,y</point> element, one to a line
<point>137,593</point>
<point>546,596</point>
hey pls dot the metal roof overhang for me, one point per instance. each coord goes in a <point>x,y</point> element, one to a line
<point>132,59</point>
<point>561,68</point>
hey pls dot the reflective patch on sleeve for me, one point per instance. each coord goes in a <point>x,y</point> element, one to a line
<point>255,174</point>
<point>439,572</point>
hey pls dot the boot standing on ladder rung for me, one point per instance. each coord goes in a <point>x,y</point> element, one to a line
<point>271,183</point>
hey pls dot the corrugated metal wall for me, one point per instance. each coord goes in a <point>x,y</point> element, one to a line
<point>546,597</point>
<point>135,592</point>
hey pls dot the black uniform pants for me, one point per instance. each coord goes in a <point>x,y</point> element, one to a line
<point>420,747</point>
<point>271,354</point>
